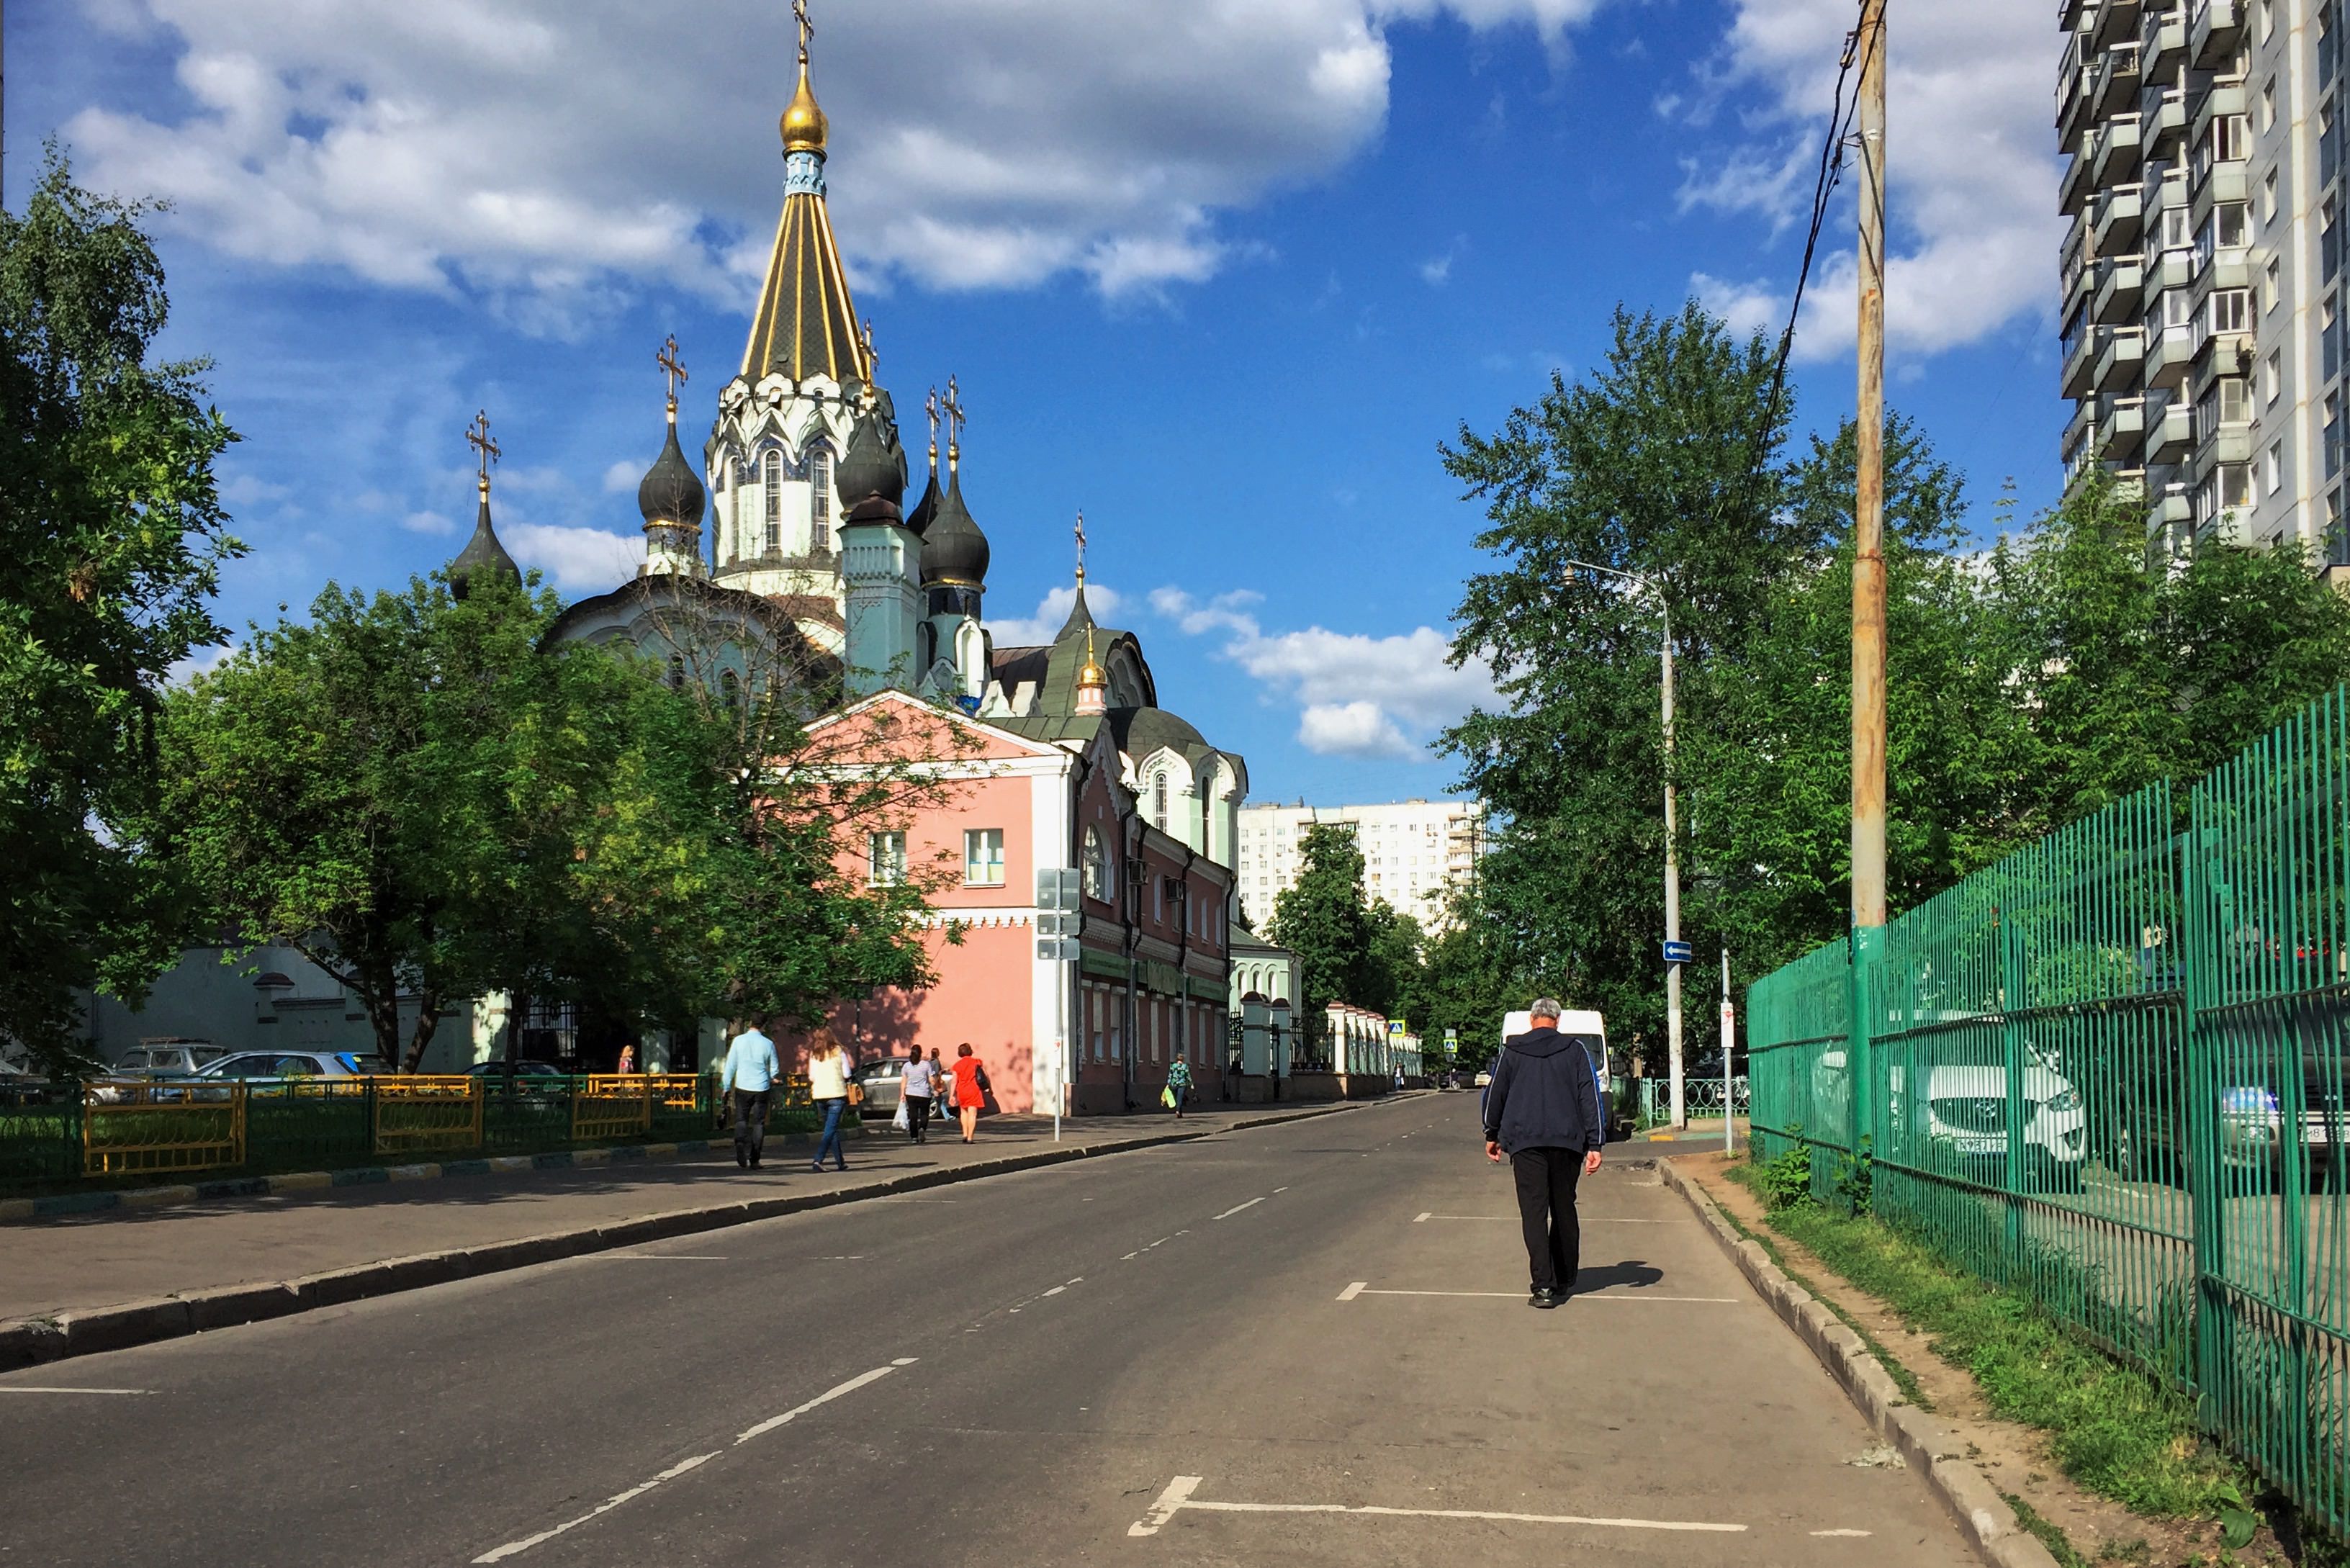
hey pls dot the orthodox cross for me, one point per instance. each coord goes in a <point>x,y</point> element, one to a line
<point>872,364</point>
<point>931,407</point>
<point>807,28</point>
<point>672,370</point>
<point>952,409</point>
<point>485,450</point>
<point>1081,548</point>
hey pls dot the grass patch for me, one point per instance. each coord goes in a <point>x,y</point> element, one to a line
<point>2044,1531</point>
<point>2114,1429</point>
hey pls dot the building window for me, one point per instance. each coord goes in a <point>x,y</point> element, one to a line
<point>771,475</point>
<point>2274,284</point>
<point>2235,485</point>
<point>2268,198</point>
<point>1096,866</point>
<point>2272,376</point>
<point>820,479</point>
<point>1159,801</point>
<point>982,858</point>
<point>2268,97</point>
<point>2274,477</point>
<point>2232,310</point>
<point>885,856</point>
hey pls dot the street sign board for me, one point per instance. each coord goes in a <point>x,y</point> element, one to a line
<point>1056,888</point>
<point>1060,923</point>
<point>1057,949</point>
<point>1398,1027</point>
<point>1678,952</point>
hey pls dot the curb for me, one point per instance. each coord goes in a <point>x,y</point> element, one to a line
<point>31,1342</point>
<point>17,1209</point>
<point>1928,1445</point>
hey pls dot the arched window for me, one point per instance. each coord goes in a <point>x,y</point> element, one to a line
<point>733,691</point>
<point>820,479</point>
<point>1096,866</point>
<point>771,472</point>
<point>1158,799</point>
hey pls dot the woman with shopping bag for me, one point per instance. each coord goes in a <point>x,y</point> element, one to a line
<point>1179,1087</point>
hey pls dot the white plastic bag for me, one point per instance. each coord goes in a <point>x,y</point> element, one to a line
<point>900,1121</point>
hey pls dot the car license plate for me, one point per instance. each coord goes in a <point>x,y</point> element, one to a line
<point>1982,1146</point>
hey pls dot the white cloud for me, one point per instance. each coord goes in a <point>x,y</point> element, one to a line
<point>578,560</point>
<point>1747,308</point>
<point>1359,695</point>
<point>1972,166</point>
<point>554,155</point>
<point>624,475</point>
<point>202,661</point>
<point>1351,729</point>
<point>1053,613</point>
<point>428,523</point>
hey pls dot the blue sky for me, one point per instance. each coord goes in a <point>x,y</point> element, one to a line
<point>1223,276</point>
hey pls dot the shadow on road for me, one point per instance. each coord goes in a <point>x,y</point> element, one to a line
<point>1633,1274</point>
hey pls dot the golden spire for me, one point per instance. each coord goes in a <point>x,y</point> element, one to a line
<point>1090,674</point>
<point>804,125</point>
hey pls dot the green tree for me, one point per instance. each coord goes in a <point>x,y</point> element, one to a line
<point>1322,917</point>
<point>1394,962</point>
<point>111,536</point>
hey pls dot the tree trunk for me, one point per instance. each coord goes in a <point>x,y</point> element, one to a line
<point>428,1019</point>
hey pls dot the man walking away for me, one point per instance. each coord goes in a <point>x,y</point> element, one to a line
<point>1178,1086</point>
<point>750,1077</point>
<point>918,1086</point>
<point>1543,1111</point>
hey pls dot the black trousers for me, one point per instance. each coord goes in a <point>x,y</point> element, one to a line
<point>1546,1178</point>
<point>918,1118</point>
<point>750,1120</point>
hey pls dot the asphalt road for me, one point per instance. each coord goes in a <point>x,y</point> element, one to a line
<point>1217,1353</point>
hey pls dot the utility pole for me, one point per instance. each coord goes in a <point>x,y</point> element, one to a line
<point>1868,588</point>
<point>1672,891</point>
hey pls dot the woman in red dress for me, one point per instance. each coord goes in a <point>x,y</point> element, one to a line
<point>970,1089</point>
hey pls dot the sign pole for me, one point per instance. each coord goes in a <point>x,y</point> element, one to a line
<point>1729,1079</point>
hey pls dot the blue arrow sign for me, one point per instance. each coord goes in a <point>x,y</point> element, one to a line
<point>1678,952</point>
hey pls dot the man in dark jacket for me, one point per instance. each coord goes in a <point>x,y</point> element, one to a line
<point>1543,1111</point>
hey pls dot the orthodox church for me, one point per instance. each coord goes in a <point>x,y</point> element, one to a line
<point>815,570</point>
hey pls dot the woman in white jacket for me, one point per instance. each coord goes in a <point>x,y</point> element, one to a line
<point>828,1087</point>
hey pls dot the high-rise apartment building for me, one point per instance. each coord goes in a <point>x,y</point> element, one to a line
<point>2201,272</point>
<point>1415,852</point>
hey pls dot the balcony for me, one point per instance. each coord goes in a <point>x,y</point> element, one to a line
<point>2219,98</point>
<point>2069,13</point>
<point>2168,353</point>
<point>2220,182</point>
<point>2074,189</point>
<point>2172,509</point>
<point>2121,433</point>
<point>2114,219</point>
<point>2121,350</point>
<point>2162,123</point>
<point>2163,188</point>
<point>2115,89</point>
<point>2115,21</point>
<point>2073,448</point>
<point>2078,354</point>
<point>2214,30</point>
<point>2173,268</point>
<point>2120,284</point>
<point>2169,429</point>
<point>2116,154</point>
<point>2162,39</point>
<point>2222,354</point>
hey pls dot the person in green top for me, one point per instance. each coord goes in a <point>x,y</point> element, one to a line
<point>1178,1086</point>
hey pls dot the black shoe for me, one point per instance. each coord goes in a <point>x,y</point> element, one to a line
<point>741,1160</point>
<point>1545,1297</point>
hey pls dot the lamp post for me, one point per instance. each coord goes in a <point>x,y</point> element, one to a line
<point>1641,585</point>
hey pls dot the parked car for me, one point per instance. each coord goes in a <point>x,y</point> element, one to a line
<point>251,1064</point>
<point>167,1058</point>
<point>514,1072</point>
<point>2147,1138</point>
<point>883,1081</point>
<point>1966,1113</point>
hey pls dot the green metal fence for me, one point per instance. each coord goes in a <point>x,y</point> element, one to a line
<point>2109,1071</point>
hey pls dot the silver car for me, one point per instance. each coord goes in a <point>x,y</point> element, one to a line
<point>883,1081</point>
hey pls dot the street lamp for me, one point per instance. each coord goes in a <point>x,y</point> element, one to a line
<point>1641,585</point>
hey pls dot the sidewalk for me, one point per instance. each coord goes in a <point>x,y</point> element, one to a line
<point>340,1243</point>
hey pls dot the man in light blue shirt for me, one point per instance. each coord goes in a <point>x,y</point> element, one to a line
<point>749,1077</point>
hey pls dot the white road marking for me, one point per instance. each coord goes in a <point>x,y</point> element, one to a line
<point>1238,1207</point>
<point>826,1397</point>
<point>1359,1289</point>
<point>668,1257</point>
<point>1853,1534</point>
<point>1178,1497</point>
<point>1179,1492</point>
<point>1511,1219</point>
<point>1281,1189</point>
<point>1056,1290</point>
<point>514,1548</point>
<point>21,1389</point>
<point>1422,1218</point>
<point>1351,1292</point>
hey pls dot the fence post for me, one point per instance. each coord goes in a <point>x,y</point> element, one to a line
<point>2204,893</point>
<point>2011,1042</point>
<point>1860,1066</point>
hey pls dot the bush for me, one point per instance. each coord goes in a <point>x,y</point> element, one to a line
<point>1785,1181</point>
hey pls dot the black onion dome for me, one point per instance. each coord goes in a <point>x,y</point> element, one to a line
<point>926,510</point>
<point>871,477</point>
<point>953,549</point>
<point>482,555</point>
<point>671,491</point>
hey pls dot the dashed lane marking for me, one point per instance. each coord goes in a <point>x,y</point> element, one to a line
<point>1182,1495</point>
<point>515,1548</point>
<point>826,1397</point>
<point>22,1389</point>
<point>1362,1289</point>
<point>1238,1207</point>
<point>1849,1534</point>
<point>1351,1292</point>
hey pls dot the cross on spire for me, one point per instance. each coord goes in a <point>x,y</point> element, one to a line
<point>807,27</point>
<point>485,450</point>
<point>1081,548</point>
<point>953,407</point>
<point>931,407</point>
<point>672,370</point>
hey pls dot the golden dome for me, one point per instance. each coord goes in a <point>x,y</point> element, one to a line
<point>1092,674</point>
<point>804,125</point>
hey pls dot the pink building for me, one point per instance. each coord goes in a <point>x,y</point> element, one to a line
<point>1065,777</point>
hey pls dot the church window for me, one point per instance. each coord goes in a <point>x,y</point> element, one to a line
<point>732,689</point>
<point>820,479</point>
<point>1097,866</point>
<point>886,858</point>
<point>770,470</point>
<point>1159,800</point>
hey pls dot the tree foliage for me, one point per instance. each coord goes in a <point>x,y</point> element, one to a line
<point>111,537</point>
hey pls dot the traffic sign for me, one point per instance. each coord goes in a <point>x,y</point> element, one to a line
<point>1060,923</point>
<point>1056,950</point>
<point>1056,888</point>
<point>1678,952</point>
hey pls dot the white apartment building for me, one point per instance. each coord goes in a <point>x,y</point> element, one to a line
<point>1415,852</point>
<point>2201,272</point>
